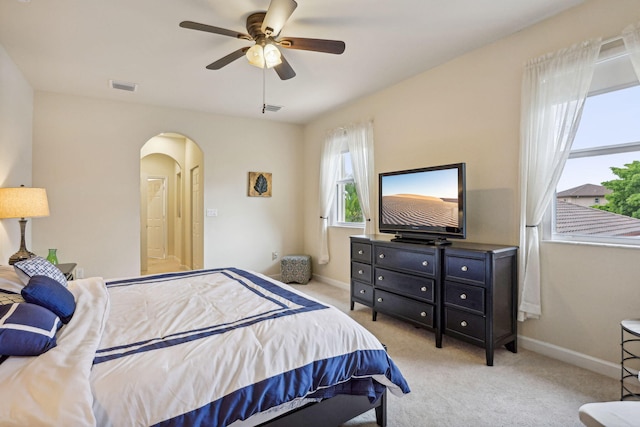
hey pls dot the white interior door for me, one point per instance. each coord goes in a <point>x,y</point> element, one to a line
<point>156,217</point>
<point>197,242</point>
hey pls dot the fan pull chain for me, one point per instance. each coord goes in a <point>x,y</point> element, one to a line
<point>264,89</point>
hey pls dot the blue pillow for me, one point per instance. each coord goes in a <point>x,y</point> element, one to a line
<point>48,293</point>
<point>27,329</point>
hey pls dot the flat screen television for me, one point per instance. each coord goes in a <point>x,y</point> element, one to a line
<point>425,205</point>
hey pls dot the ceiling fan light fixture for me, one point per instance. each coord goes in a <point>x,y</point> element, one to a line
<point>272,56</point>
<point>255,55</point>
<point>268,56</point>
<point>263,28</point>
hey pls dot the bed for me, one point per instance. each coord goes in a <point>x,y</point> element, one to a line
<point>210,347</point>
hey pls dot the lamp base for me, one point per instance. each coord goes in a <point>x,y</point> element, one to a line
<point>21,255</point>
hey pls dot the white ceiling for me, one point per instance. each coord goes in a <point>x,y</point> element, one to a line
<point>77,46</point>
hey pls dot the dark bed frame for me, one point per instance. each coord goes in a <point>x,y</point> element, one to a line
<point>332,412</point>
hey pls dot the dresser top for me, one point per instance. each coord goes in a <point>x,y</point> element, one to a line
<point>454,244</point>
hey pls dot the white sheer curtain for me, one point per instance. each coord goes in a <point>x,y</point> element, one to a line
<point>329,170</point>
<point>631,38</point>
<point>554,88</point>
<point>360,141</point>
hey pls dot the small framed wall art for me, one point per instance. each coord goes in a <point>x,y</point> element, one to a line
<point>259,184</point>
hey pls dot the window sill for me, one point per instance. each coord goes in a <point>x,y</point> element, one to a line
<point>354,226</point>
<point>595,244</point>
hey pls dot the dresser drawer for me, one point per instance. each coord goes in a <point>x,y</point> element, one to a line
<point>361,252</point>
<point>419,262</point>
<point>467,324</point>
<point>467,269</point>
<point>360,271</point>
<point>409,309</point>
<point>465,296</point>
<point>362,292</point>
<point>411,286</point>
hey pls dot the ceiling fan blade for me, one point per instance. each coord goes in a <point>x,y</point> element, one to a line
<point>226,60</point>
<point>284,70</point>
<point>278,13</point>
<point>316,45</point>
<point>215,30</point>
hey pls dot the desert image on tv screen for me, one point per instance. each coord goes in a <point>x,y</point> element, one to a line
<point>427,198</point>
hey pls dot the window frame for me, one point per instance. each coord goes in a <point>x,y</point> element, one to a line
<point>549,221</point>
<point>601,87</point>
<point>338,206</point>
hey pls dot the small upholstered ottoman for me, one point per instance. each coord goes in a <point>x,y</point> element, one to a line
<point>296,268</point>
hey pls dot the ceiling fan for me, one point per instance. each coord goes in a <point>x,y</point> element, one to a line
<point>264,29</point>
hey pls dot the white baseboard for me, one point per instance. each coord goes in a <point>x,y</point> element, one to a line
<point>571,357</point>
<point>332,282</point>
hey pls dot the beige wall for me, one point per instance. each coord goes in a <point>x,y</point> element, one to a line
<point>87,153</point>
<point>16,114</point>
<point>468,110</point>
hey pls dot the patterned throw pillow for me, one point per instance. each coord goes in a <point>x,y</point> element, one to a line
<point>27,329</point>
<point>38,266</point>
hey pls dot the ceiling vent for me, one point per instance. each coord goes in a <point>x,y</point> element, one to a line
<point>271,108</point>
<point>129,87</point>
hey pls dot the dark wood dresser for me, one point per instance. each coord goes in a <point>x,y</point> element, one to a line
<point>465,290</point>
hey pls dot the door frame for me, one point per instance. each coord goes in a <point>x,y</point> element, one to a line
<point>197,220</point>
<point>187,154</point>
<point>164,215</point>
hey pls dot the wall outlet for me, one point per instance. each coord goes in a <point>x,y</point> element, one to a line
<point>274,256</point>
<point>79,273</point>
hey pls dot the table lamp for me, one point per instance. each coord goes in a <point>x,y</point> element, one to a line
<point>23,202</point>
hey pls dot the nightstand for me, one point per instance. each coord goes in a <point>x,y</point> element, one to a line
<point>67,269</point>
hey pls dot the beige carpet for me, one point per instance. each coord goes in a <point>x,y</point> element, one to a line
<point>452,386</point>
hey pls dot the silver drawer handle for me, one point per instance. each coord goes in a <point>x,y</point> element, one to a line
<point>381,256</point>
<point>463,296</point>
<point>425,263</point>
<point>463,323</point>
<point>464,268</point>
<point>379,299</point>
<point>424,289</point>
<point>360,252</point>
<point>380,278</point>
<point>362,291</point>
<point>423,314</point>
<point>360,271</point>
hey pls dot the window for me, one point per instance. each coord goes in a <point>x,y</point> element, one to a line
<point>346,163</point>
<point>347,210</point>
<point>597,197</point>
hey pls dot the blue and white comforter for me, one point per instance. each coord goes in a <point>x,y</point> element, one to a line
<point>214,347</point>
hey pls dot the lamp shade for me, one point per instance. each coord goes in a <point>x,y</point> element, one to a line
<point>23,202</point>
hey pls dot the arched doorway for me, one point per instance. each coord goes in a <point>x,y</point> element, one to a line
<point>171,226</point>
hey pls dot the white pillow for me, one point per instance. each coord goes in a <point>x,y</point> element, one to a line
<point>9,280</point>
